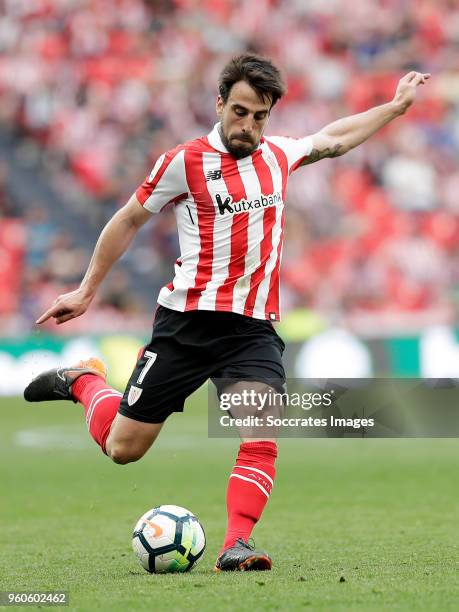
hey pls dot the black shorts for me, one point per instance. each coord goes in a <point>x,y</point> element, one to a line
<point>187,348</point>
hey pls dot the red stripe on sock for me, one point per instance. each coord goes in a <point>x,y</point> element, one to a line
<point>245,499</point>
<point>100,403</point>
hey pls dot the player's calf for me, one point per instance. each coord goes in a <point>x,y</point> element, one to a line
<point>129,439</point>
<point>122,454</point>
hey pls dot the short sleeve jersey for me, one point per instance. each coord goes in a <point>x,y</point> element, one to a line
<point>230,220</point>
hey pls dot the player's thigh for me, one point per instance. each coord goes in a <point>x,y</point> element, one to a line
<point>252,374</point>
<point>131,438</point>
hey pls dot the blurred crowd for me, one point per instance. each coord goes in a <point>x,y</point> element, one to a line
<point>96,90</point>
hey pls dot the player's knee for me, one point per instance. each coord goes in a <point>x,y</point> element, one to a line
<point>122,454</point>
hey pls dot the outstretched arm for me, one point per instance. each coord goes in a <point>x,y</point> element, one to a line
<point>113,242</point>
<point>343,135</point>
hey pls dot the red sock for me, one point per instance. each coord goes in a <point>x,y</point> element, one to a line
<point>100,403</point>
<point>249,488</point>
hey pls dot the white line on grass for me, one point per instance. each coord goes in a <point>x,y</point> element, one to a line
<point>75,438</point>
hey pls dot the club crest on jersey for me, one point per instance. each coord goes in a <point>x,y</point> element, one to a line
<point>134,394</point>
<point>226,205</point>
<point>271,159</point>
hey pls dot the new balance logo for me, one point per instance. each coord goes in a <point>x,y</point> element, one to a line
<point>227,204</point>
<point>214,175</point>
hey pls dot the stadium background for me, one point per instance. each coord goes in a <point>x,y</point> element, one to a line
<point>92,92</point>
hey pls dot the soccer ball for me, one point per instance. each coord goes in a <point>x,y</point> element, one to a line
<point>168,539</point>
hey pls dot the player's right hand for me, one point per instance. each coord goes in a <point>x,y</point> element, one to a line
<point>66,306</point>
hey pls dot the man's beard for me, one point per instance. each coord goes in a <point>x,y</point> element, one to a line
<point>238,151</point>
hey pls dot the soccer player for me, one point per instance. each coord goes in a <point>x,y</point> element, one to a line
<point>214,320</point>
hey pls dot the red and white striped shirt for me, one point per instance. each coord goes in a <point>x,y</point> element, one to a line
<point>230,220</point>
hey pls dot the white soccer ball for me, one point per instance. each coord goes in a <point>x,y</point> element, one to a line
<point>168,539</point>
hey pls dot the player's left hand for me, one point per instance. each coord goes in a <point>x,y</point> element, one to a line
<point>406,89</point>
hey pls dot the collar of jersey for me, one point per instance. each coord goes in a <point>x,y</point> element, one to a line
<point>215,140</point>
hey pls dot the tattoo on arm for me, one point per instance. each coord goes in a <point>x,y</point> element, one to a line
<point>317,154</point>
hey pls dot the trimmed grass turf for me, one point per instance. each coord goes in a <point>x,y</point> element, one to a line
<point>380,514</point>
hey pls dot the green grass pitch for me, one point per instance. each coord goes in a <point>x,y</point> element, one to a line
<point>351,524</point>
